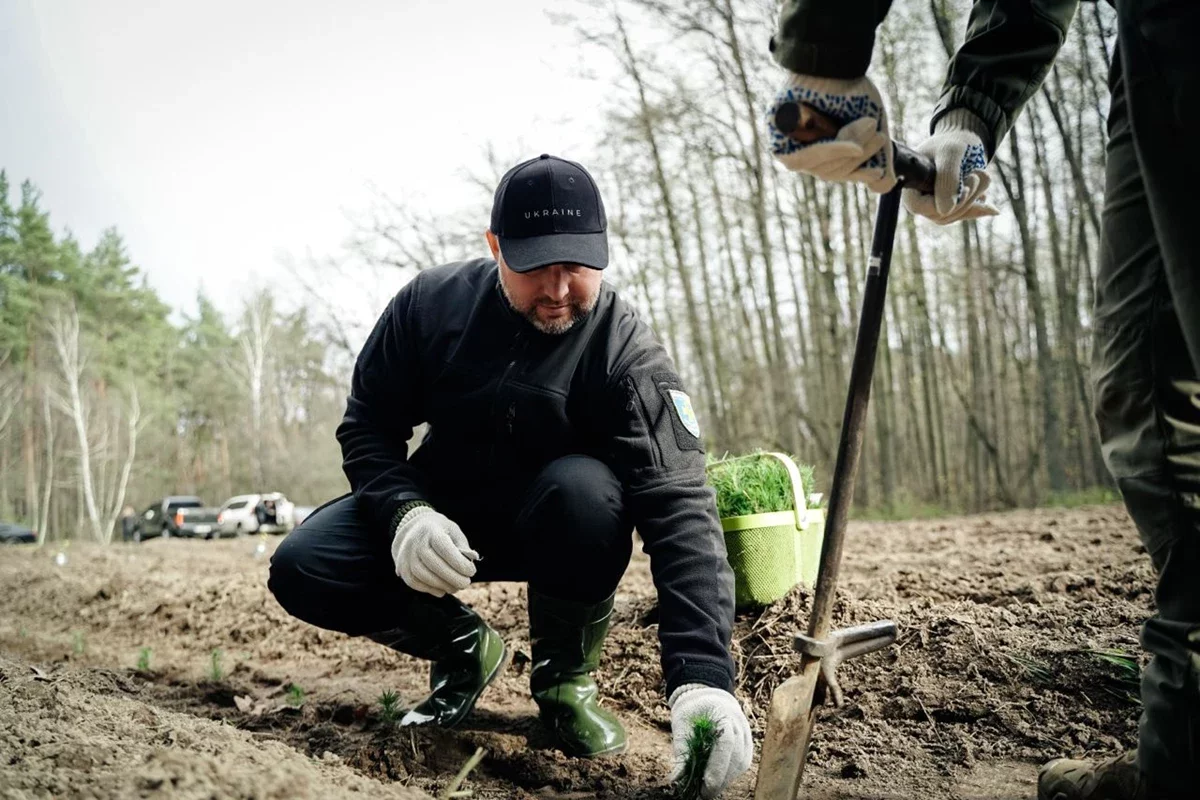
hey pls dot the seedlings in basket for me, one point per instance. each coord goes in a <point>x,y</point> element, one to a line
<point>143,662</point>
<point>295,696</point>
<point>700,744</point>
<point>755,485</point>
<point>216,671</point>
<point>389,707</point>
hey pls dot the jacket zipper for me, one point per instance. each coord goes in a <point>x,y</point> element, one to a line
<point>512,409</point>
<point>634,404</point>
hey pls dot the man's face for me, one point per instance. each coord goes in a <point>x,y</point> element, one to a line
<point>552,298</point>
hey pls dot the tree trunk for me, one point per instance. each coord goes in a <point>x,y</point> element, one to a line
<point>1014,185</point>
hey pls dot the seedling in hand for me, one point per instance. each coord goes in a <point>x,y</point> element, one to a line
<point>700,744</point>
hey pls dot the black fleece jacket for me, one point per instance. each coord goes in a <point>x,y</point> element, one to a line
<point>503,400</point>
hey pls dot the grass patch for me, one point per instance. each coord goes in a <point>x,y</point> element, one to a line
<point>901,510</point>
<point>1095,496</point>
<point>755,485</point>
<point>295,696</point>
<point>143,661</point>
<point>700,743</point>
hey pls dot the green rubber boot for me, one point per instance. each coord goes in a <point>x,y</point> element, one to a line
<point>566,638</point>
<point>467,655</point>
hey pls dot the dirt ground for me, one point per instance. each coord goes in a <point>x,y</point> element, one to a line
<point>999,666</point>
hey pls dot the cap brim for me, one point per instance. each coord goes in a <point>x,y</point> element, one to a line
<point>523,255</point>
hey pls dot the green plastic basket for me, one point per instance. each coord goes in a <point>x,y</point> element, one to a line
<point>772,552</point>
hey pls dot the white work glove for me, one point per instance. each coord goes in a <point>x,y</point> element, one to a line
<point>957,150</point>
<point>734,747</point>
<point>431,553</point>
<point>860,151</point>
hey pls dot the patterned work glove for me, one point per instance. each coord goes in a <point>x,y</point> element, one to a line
<point>957,150</point>
<point>734,747</point>
<point>431,553</point>
<point>859,151</point>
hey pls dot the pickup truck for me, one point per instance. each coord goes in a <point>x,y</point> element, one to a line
<point>176,515</point>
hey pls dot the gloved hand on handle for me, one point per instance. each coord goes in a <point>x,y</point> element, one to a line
<point>431,553</point>
<point>734,748</point>
<point>861,149</point>
<point>957,150</point>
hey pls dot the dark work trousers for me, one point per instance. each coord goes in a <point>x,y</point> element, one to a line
<point>568,536</point>
<point>1147,354</point>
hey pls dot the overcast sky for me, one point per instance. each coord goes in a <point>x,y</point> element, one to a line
<point>217,136</point>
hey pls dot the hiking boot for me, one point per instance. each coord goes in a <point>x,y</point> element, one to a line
<point>1115,779</point>
<point>566,638</point>
<point>467,655</point>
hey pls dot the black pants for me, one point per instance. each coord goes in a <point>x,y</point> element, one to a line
<point>568,536</point>
<point>1147,354</point>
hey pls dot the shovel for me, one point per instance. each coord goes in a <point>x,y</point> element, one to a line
<point>794,704</point>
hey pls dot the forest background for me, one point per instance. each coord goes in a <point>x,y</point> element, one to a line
<point>752,277</point>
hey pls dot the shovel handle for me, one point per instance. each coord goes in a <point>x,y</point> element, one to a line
<point>791,713</point>
<point>804,124</point>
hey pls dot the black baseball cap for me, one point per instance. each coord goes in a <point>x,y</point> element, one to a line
<point>548,210</point>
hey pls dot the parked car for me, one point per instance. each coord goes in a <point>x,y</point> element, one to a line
<point>301,513</point>
<point>12,533</point>
<point>176,515</point>
<point>256,513</point>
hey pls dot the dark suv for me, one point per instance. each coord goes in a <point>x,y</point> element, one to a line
<point>180,515</point>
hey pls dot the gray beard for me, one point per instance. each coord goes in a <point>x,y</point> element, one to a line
<point>558,327</point>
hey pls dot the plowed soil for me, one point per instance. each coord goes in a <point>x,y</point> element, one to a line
<point>1012,630</point>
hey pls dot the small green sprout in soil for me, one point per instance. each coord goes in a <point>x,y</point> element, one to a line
<point>1125,666</point>
<point>1124,673</point>
<point>700,743</point>
<point>1032,668</point>
<point>143,662</point>
<point>78,645</point>
<point>389,707</point>
<point>216,671</point>
<point>295,696</point>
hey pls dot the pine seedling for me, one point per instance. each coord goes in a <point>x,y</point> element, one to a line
<point>389,705</point>
<point>700,743</point>
<point>77,643</point>
<point>216,671</point>
<point>143,662</point>
<point>295,696</point>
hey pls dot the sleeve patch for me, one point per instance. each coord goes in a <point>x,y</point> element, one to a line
<point>685,412</point>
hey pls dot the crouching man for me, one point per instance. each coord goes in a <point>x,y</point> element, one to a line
<point>557,424</point>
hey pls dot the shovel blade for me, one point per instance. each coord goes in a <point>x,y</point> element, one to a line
<point>789,726</point>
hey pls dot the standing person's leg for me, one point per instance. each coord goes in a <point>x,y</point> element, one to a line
<point>577,540</point>
<point>1162,88</point>
<point>1150,435</point>
<point>334,572</point>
